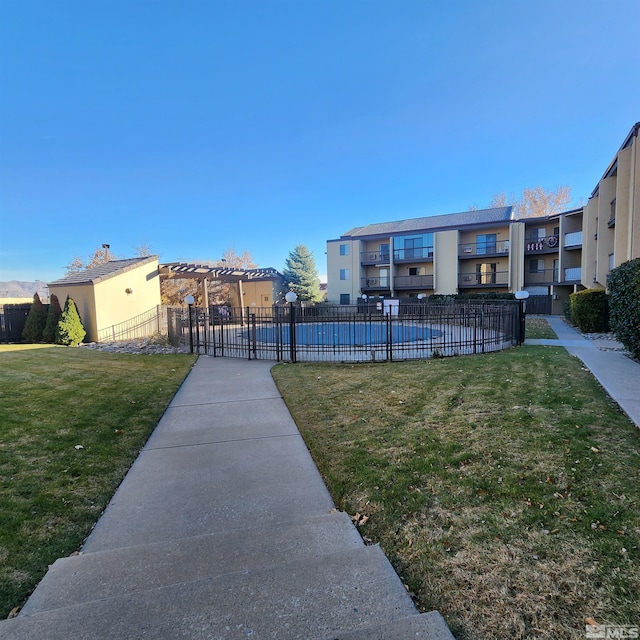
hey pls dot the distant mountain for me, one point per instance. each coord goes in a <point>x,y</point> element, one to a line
<point>20,289</point>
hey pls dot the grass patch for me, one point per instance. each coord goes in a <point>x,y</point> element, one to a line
<point>504,488</point>
<point>51,494</point>
<point>539,329</point>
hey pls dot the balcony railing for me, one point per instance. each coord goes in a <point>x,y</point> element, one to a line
<point>542,276</point>
<point>375,282</point>
<point>415,253</point>
<point>374,257</point>
<point>473,249</point>
<point>573,240</point>
<point>475,279</point>
<point>413,282</point>
<point>537,245</point>
<point>572,274</point>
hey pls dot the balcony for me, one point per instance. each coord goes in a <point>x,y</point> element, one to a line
<point>414,254</point>
<point>544,276</point>
<point>413,282</point>
<point>475,249</point>
<point>480,280</point>
<point>548,244</point>
<point>573,240</point>
<point>374,257</point>
<point>376,283</point>
<point>573,274</point>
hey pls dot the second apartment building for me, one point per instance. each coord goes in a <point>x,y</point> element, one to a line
<point>491,250</point>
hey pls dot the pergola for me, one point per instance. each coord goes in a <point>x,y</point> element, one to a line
<point>205,274</point>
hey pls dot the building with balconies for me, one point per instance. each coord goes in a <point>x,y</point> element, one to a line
<point>492,251</point>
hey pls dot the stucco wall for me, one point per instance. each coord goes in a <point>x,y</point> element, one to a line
<point>445,262</point>
<point>83,296</point>
<point>113,304</point>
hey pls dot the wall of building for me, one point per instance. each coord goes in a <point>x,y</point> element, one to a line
<point>445,262</point>
<point>83,296</point>
<point>337,262</point>
<point>126,295</point>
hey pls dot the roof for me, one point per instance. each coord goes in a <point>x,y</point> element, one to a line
<point>432,223</point>
<point>102,272</point>
<point>226,274</point>
<point>613,165</point>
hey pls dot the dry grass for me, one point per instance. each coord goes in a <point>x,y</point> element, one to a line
<point>505,488</point>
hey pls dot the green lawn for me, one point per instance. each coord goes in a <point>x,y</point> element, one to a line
<point>539,329</point>
<point>72,421</point>
<point>504,488</point>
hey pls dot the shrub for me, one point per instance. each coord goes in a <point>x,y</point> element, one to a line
<point>589,310</point>
<point>566,310</point>
<point>70,330</point>
<point>624,301</point>
<point>53,317</point>
<point>36,321</point>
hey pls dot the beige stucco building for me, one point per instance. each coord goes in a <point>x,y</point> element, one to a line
<point>492,251</point>
<point>112,293</point>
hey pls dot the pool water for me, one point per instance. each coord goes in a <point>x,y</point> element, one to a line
<point>354,333</point>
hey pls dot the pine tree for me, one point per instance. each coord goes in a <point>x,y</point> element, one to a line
<point>70,330</point>
<point>301,275</point>
<point>36,321</point>
<point>53,317</point>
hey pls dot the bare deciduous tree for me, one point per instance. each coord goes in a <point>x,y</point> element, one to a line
<point>535,202</point>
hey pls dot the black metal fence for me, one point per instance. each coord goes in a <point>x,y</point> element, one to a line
<point>13,317</point>
<point>347,333</point>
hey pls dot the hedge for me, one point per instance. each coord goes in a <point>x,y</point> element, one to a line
<point>624,304</point>
<point>589,310</point>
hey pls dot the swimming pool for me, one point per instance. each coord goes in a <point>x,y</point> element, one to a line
<point>347,333</point>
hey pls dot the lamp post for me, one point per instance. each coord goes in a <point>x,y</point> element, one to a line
<point>190,300</point>
<point>291,298</point>
<point>521,297</point>
<point>365,297</point>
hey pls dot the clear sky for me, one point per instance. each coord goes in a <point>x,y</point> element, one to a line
<point>193,126</point>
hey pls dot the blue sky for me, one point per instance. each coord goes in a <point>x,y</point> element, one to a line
<point>196,126</point>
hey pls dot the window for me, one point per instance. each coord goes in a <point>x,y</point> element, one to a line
<point>384,252</point>
<point>486,243</point>
<point>344,249</point>
<point>536,266</point>
<point>611,262</point>
<point>486,272</point>
<point>345,298</point>
<point>538,234</point>
<point>413,271</point>
<point>556,270</point>
<point>412,247</point>
<point>344,274</point>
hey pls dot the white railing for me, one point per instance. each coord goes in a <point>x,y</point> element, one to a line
<point>573,273</point>
<point>573,239</point>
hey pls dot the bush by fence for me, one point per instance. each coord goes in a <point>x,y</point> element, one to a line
<point>624,301</point>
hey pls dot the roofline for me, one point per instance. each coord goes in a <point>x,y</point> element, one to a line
<point>139,263</point>
<point>614,163</point>
<point>445,227</point>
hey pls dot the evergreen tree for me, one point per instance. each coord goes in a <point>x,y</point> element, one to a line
<point>301,275</point>
<point>70,330</point>
<point>36,321</point>
<point>53,317</point>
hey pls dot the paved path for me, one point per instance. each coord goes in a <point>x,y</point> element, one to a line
<point>223,529</point>
<point>618,374</point>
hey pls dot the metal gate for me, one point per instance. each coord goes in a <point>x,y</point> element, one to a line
<point>539,305</point>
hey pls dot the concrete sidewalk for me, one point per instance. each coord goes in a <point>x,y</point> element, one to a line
<point>618,374</point>
<point>224,529</point>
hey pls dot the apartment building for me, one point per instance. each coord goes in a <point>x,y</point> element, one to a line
<point>492,251</point>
